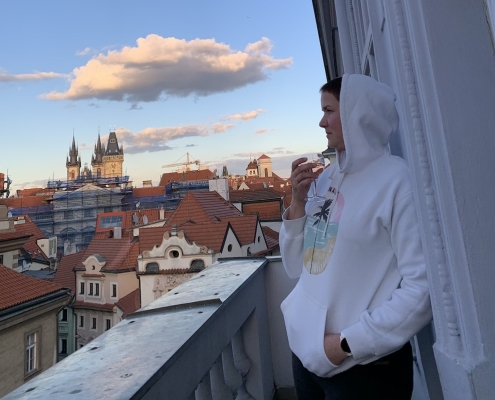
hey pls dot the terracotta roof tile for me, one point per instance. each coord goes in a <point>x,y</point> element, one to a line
<point>200,207</point>
<point>6,236</point>
<point>31,246</point>
<point>244,227</point>
<point>197,175</point>
<point>16,288</point>
<point>18,202</point>
<point>149,191</point>
<point>244,196</point>
<point>130,303</point>
<point>266,211</point>
<point>153,214</point>
<point>46,192</point>
<point>264,156</point>
<point>210,234</point>
<point>65,276</point>
<point>271,237</point>
<point>119,254</point>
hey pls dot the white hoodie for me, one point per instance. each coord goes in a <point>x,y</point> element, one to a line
<point>359,259</point>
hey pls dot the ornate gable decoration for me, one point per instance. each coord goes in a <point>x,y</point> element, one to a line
<point>94,263</point>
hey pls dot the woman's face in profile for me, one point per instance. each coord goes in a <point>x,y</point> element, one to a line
<point>331,121</point>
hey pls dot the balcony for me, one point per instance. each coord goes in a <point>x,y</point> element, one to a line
<point>219,335</point>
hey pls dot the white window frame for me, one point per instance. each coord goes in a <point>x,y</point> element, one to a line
<point>116,290</point>
<point>32,353</point>
<point>82,285</point>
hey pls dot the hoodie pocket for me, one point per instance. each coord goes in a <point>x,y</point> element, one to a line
<point>305,324</point>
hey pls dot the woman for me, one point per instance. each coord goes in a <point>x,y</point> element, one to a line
<point>362,292</point>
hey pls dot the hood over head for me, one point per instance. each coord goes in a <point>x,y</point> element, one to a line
<point>369,117</point>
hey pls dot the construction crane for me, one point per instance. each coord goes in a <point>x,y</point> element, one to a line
<point>187,163</point>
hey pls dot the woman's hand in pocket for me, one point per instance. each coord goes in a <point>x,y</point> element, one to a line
<point>334,352</point>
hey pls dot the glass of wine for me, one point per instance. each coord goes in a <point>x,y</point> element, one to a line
<point>319,160</point>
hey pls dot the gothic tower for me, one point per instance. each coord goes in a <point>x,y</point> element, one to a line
<point>97,159</point>
<point>113,158</point>
<point>73,162</point>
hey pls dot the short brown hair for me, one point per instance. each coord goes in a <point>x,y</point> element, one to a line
<point>333,87</point>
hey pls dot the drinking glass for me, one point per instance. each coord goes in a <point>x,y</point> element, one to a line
<point>319,160</point>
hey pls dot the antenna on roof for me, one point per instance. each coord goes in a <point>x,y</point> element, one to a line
<point>145,220</point>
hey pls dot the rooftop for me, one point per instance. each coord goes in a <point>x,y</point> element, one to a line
<point>196,175</point>
<point>120,254</point>
<point>17,288</point>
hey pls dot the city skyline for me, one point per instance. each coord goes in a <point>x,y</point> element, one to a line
<point>225,82</point>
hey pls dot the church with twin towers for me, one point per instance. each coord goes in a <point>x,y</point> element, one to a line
<point>106,162</point>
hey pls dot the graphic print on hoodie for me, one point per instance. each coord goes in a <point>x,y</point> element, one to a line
<point>320,232</point>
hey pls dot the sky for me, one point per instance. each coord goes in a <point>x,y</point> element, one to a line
<point>223,80</point>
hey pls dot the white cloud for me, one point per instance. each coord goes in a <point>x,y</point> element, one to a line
<point>261,131</point>
<point>246,116</point>
<point>35,76</point>
<point>160,66</point>
<point>83,52</point>
<point>94,105</point>
<point>157,139</point>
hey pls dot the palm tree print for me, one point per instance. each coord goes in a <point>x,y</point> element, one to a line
<point>323,213</point>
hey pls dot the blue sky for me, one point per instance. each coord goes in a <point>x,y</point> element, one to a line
<point>221,79</point>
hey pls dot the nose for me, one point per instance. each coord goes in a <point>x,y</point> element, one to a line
<point>323,122</point>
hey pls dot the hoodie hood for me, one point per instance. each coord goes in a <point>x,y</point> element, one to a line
<point>369,117</point>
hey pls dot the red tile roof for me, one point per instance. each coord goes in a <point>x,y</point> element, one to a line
<point>35,192</point>
<point>264,156</point>
<point>130,303</point>
<point>197,175</point>
<point>153,214</point>
<point>200,207</point>
<point>8,236</point>
<point>244,196</point>
<point>16,288</point>
<point>149,191</point>
<point>271,237</point>
<point>65,276</point>
<point>18,202</point>
<point>266,211</point>
<point>244,227</point>
<point>119,254</point>
<point>210,234</point>
<point>31,246</point>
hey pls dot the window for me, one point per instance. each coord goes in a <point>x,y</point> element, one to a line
<point>110,221</point>
<point>152,267</point>
<point>93,323</point>
<point>114,290</point>
<point>68,214</point>
<point>81,289</point>
<point>91,289</point>
<point>174,254</point>
<point>197,265</point>
<point>108,324</point>
<point>107,209</point>
<point>89,213</point>
<point>31,352</point>
<point>259,239</point>
<point>97,289</point>
<point>229,248</point>
<point>63,346</point>
<point>1,258</point>
<point>64,313</point>
<point>81,321</point>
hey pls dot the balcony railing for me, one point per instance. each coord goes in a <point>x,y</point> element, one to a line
<point>219,335</point>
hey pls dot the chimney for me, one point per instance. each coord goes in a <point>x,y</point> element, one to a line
<point>117,232</point>
<point>162,213</point>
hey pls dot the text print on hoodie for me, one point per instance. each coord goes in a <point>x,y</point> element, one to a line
<point>358,256</point>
